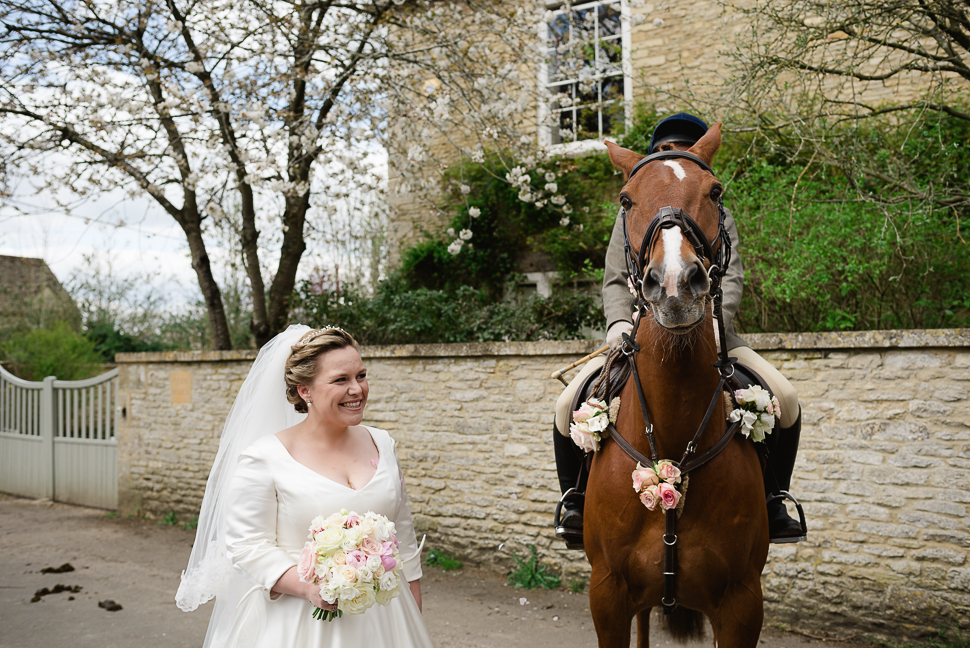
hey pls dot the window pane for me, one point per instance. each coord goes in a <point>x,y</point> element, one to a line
<point>610,57</point>
<point>613,118</point>
<point>609,17</point>
<point>566,126</point>
<point>588,123</point>
<point>584,24</point>
<point>612,88</point>
<point>558,31</point>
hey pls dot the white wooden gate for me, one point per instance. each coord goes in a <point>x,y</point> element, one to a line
<point>57,439</point>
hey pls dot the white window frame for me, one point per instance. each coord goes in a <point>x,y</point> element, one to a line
<point>593,145</point>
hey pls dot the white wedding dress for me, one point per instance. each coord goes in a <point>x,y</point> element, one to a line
<point>269,507</point>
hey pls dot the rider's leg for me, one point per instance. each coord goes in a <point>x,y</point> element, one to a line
<point>782,444</point>
<point>569,457</point>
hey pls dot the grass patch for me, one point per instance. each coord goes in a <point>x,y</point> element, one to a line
<point>577,586</point>
<point>169,519</point>
<point>530,574</point>
<point>944,638</point>
<point>111,515</point>
<point>191,525</point>
<point>443,561</point>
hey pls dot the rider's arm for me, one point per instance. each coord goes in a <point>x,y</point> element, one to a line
<point>617,300</point>
<point>733,282</point>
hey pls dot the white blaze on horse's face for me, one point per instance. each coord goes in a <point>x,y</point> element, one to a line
<point>678,170</point>
<point>673,239</point>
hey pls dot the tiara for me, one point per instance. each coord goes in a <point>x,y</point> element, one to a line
<point>315,333</point>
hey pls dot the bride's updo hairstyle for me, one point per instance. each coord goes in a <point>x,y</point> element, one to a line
<point>301,366</point>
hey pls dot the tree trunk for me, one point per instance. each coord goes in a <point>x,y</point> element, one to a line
<point>221,340</point>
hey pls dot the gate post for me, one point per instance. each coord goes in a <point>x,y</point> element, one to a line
<point>47,431</point>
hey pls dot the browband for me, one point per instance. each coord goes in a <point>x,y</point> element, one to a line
<point>670,155</point>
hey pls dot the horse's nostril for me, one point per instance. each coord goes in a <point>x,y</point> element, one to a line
<point>652,279</point>
<point>697,279</point>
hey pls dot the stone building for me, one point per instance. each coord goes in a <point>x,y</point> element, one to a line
<point>654,51</point>
<point>30,295</point>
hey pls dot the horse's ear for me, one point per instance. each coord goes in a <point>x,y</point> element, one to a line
<point>623,159</point>
<point>707,146</point>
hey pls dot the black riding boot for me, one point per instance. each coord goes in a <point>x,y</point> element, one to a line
<point>569,464</point>
<point>782,447</point>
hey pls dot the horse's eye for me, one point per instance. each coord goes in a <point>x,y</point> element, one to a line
<point>716,193</point>
<point>625,202</point>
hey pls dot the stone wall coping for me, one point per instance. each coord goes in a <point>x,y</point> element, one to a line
<point>892,339</point>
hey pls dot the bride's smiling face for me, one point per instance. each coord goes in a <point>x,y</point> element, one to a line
<point>338,393</point>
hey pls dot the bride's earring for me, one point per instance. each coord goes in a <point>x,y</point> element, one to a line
<point>308,401</point>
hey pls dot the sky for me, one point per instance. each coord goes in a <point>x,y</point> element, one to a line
<point>150,242</point>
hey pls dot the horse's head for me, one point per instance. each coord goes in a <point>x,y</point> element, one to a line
<point>673,213</point>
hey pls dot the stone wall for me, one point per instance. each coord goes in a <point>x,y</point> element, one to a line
<point>883,472</point>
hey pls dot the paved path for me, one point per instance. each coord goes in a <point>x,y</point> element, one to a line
<point>137,564</point>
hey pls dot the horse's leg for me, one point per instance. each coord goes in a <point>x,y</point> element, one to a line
<point>738,619</point>
<point>609,606</point>
<point>643,628</point>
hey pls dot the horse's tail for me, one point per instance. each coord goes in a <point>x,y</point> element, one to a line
<point>683,625</point>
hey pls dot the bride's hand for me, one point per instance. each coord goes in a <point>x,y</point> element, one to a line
<point>312,594</point>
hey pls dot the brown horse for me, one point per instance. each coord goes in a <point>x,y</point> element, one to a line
<point>723,532</point>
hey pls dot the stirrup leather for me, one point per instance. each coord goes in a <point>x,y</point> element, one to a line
<point>785,495</point>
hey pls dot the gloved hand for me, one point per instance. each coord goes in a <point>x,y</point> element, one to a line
<point>614,336</point>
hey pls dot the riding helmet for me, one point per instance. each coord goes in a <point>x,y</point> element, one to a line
<point>682,127</point>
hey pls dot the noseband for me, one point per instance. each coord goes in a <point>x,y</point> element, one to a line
<point>668,217</point>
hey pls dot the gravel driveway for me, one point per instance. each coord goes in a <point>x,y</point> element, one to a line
<point>137,564</point>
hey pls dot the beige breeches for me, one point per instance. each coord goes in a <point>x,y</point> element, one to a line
<point>780,387</point>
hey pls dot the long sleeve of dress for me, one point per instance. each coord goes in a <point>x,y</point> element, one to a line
<point>403,522</point>
<point>251,518</point>
<point>618,303</point>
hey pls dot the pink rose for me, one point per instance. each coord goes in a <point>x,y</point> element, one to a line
<point>668,472</point>
<point>643,477</point>
<point>352,521</point>
<point>370,546</point>
<point>668,495</point>
<point>387,556</point>
<point>649,498</point>
<point>584,440</point>
<point>308,560</point>
<point>356,559</point>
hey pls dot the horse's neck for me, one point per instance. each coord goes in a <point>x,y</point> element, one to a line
<point>679,381</point>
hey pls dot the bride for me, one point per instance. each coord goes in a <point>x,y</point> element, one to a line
<point>293,448</point>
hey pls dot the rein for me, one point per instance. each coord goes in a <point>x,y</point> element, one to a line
<point>717,263</point>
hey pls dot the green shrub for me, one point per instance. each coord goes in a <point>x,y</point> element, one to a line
<point>170,519</point>
<point>444,561</point>
<point>396,315</point>
<point>55,351</point>
<point>531,574</point>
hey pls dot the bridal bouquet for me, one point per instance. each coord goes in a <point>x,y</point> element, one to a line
<point>354,560</point>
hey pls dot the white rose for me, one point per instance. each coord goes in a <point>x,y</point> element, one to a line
<point>328,594</point>
<point>352,538</point>
<point>598,423</point>
<point>359,604</point>
<point>748,419</point>
<point>364,575</point>
<point>383,598</point>
<point>761,399</point>
<point>381,532</point>
<point>388,582</point>
<point>329,540</point>
<point>373,563</point>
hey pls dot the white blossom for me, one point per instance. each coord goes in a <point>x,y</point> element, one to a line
<point>658,22</point>
<point>465,189</point>
<point>550,176</point>
<point>564,221</point>
<point>474,212</point>
<point>451,231</point>
<point>552,187</point>
<point>454,247</point>
<point>465,234</point>
<point>558,200</point>
<point>567,209</point>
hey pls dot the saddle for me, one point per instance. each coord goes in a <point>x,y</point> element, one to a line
<point>595,384</point>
